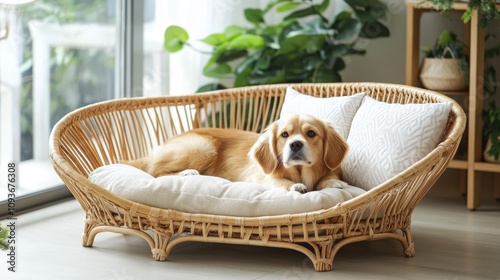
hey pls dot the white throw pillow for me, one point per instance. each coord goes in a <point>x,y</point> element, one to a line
<point>213,195</point>
<point>385,139</point>
<point>338,110</point>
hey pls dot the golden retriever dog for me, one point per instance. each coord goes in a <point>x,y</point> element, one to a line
<point>301,153</point>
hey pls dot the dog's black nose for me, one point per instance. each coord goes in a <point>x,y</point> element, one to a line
<point>296,145</point>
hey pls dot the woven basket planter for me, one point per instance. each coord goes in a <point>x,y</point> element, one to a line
<point>108,132</point>
<point>443,74</point>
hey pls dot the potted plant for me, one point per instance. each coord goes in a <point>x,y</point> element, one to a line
<point>305,46</point>
<point>445,65</point>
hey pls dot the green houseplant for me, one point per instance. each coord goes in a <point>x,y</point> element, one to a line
<point>447,39</point>
<point>305,46</point>
<point>491,115</point>
<point>486,8</point>
<point>446,65</point>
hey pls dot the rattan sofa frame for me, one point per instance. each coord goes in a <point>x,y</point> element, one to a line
<point>111,131</point>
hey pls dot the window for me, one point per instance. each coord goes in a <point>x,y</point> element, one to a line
<point>60,55</point>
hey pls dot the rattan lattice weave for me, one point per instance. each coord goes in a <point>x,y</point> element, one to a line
<point>111,131</point>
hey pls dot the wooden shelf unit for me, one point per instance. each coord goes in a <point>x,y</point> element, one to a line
<point>474,38</point>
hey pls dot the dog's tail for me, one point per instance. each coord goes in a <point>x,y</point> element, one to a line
<point>141,163</point>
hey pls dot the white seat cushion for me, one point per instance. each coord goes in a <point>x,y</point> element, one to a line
<point>213,195</point>
<point>385,139</point>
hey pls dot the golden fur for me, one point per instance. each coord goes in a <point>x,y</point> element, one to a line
<point>301,153</point>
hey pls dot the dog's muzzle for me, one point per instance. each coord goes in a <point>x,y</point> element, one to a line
<point>296,146</point>
<point>296,154</point>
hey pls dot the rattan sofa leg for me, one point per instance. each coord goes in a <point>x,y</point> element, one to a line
<point>87,237</point>
<point>159,249</point>
<point>324,255</point>
<point>409,247</point>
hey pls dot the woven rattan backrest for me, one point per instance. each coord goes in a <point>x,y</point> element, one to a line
<point>124,129</point>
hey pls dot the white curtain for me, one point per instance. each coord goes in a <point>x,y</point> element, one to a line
<point>10,84</point>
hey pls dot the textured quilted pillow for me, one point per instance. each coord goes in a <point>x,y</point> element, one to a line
<point>338,110</point>
<point>385,139</point>
<point>213,195</point>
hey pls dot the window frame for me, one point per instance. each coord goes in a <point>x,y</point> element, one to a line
<point>128,83</point>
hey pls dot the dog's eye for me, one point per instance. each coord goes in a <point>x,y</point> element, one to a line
<point>311,133</point>
<point>284,134</point>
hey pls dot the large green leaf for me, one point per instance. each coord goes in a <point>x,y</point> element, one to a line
<point>272,4</point>
<point>218,71</point>
<point>372,30</point>
<point>339,65</point>
<point>446,37</point>
<point>303,42</point>
<point>242,76</point>
<point>244,70</point>
<point>247,41</point>
<point>264,62</point>
<point>340,50</point>
<point>215,57</point>
<point>342,16</point>
<point>360,4</point>
<point>247,64</point>
<point>347,28</point>
<point>301,13</point>
<point>288,6</point>
<point>233,30</point>
<point>215,39</point>
<point>231,55</point>
<point>174,38</point>
<point>254,15</point>
<point>368,10</point>
<point>311,62</point>
<point>323,6</point>
<point>309,11</point>
<point>314,26</point>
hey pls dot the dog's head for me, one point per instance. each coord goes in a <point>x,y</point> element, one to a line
<point>300,140</point>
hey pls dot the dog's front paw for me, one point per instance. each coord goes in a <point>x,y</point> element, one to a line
<point>332,183</point>
<point>189,172</point>
<point>301,188</point>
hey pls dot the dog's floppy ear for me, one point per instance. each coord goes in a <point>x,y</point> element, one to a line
<point>335,148</point>
<point>264,150</point>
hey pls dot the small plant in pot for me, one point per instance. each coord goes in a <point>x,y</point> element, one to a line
<point>445,66</point>
<point>492,133</point>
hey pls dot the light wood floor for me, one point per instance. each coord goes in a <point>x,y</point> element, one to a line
<point>451,243</point>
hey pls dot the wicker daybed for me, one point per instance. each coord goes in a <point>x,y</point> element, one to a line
<point>112,131</point>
